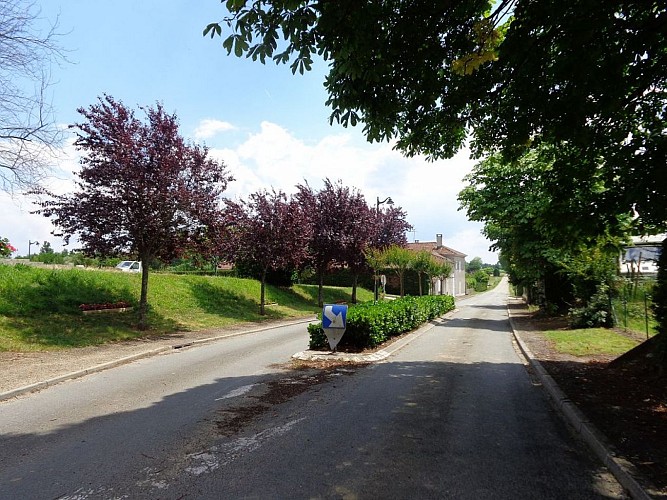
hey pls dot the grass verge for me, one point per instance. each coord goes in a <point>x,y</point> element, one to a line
<point>39,308</point>
<point>590,341</point>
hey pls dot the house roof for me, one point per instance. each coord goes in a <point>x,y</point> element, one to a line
<point>439,251</point>
<point>654,239</point>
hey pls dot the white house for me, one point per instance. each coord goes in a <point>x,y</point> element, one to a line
<point>641,258</point>
<point>455,284</point>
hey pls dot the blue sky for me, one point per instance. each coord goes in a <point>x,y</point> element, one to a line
<point>270,127</point>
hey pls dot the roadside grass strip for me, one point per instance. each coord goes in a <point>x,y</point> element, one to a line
<point>590,341</point>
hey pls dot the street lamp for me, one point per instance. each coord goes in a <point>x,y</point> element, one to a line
<point>30,243</point>
<point>387,200</point>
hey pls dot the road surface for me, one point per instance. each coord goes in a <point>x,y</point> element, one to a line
<point>454,414</point>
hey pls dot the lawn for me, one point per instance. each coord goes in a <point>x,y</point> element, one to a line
<point>589,342</point>
<point>39,308</point>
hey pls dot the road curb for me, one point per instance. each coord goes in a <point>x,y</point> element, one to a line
<point>80,373</point>
<point>134,357</point>
<point>594,439</point>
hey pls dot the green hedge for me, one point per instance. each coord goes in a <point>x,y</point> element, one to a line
<point>369,325</point>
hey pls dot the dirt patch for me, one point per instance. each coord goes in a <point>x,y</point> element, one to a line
<point>627,403</point>
<point>302,376</point>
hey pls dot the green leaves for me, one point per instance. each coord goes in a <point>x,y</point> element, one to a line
<point>369,325</point>
<point>487,40</point>
<point>213,29</point>
<point>236,43</point>
<point>234,6</point>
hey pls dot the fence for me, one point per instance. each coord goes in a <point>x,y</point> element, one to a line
<point>632,307</point>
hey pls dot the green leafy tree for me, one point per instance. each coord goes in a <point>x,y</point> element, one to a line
<point>439,270</point>
<point>47,255</point>
<point>444,271</point>
<point>45,248</point>
<point>422,264</point>
<point>399,260</point>
<point>474,265</point>
<point>511,72</point>
<point>375,259</point>
<point>515,200</point>
<point>660,305</point>
<point>481,278</point>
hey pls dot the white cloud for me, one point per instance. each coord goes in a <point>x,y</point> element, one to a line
<point>472,243</point>
<point>18,224</point>
<point>209,128</point>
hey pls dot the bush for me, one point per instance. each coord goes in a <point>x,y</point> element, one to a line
<point>597,313</point>
<point>369,325</point>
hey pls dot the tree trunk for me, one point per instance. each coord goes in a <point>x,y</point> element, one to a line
<point>320,284</point>
<point>355,281</point>
<point>143,300</point>
<point>419,278</point>
<point>261,294</point>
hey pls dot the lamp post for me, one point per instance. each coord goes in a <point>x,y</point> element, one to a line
<point>388,201</point>
<point>30,243</point>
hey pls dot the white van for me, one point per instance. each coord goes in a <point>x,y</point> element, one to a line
<point>129,266</point>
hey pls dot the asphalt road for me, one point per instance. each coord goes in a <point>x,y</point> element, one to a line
<point>454,414</point>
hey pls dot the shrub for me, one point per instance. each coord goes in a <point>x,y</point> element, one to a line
<point>369,325</point>
<point>481,280</point>
<point>597,313</point>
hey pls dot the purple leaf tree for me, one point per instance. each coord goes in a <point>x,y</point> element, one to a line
<point>343,226</point>
<point>391,226</point>
<point>268,232</point>
<point>142,190</point>
<point>358,229</point>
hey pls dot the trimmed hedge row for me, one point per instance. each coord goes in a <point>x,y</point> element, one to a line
<point>369,325</point>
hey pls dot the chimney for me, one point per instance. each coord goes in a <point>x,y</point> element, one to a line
<point>438,239</point>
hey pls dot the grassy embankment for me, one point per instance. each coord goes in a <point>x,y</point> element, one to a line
<point>39,308</point>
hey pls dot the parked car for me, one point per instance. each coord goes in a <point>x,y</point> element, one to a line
<point>129,266</point>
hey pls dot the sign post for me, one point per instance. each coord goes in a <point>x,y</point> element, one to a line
<point>334,322</point>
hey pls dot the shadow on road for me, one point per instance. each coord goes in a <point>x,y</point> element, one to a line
<point>436,429</point>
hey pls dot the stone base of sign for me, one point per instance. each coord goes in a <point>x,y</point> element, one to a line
<point>341,356</point>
